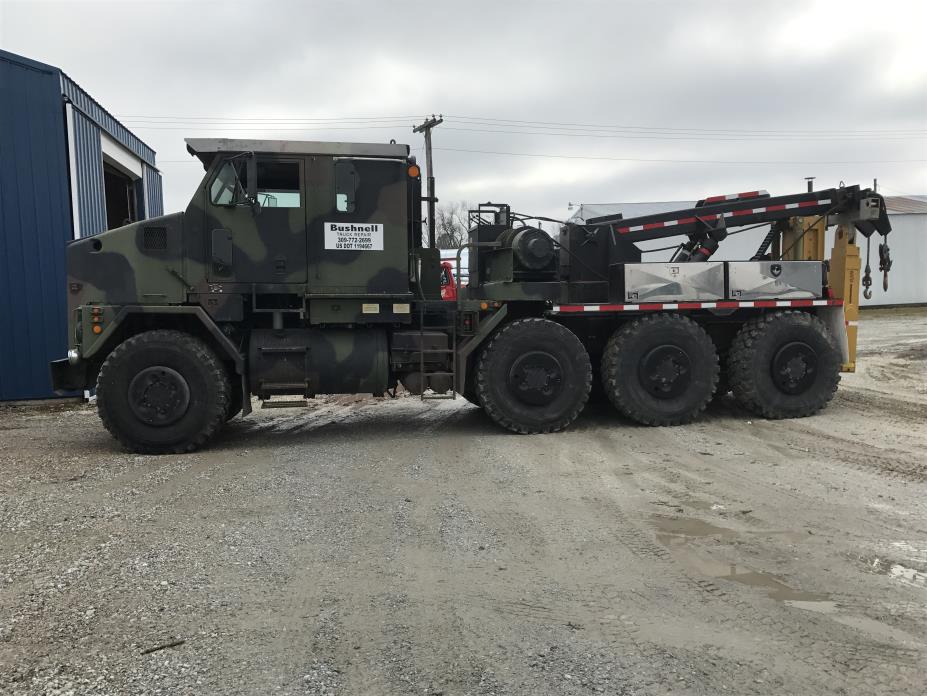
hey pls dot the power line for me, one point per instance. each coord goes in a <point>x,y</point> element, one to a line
<point>223,128</point>
<point>670,128</point>
<point>226,127</point>
<point>678,161</point>
<point>267,118</point>
<point>519,123</point>
<point>641,159</point>
<point>680,136</point>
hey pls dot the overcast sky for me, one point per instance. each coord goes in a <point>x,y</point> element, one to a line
<point>587,102</point>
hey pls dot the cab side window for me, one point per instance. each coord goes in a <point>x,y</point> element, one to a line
<point>278,184</point>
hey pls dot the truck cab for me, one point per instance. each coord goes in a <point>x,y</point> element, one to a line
<point>317,242</point>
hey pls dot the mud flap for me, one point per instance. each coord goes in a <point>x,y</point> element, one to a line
<point>834,321</point>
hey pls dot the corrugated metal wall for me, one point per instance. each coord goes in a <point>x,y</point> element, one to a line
<point>92,109</point>
<point>153,191</point>
<point>88,155</point>
<point>35,225</point>
<point>89,121</point>
<point>36,199</point>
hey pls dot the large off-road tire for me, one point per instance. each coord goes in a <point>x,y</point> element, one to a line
<point>533,376</point>
<point>784,365</point>
<point>597,395</point>
<point>723,388</point>
<point>661,369</point>
<point>162,392</point>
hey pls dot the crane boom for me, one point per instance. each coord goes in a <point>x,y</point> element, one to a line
<point>706,223</point>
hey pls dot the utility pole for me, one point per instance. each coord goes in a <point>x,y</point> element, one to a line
<point>426,129</point>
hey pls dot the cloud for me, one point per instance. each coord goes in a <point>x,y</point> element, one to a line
<point>832,67</point>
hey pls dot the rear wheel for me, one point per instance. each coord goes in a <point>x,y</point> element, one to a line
<point>163,392</point>
<point>533,376</point>
<point>784,365</point>
<point>661,369</point>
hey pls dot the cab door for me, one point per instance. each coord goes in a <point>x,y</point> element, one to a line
<point>358,227</point>
<point>259,241</point>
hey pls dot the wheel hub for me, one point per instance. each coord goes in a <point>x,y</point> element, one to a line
<point>794,367</point>
<point>159,395</point>
<point>666,371</point>
<point>536,378</point>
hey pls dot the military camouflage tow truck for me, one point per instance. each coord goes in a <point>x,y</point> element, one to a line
<point>298,269</point>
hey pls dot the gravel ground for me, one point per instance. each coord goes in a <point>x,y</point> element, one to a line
<point>364,546</point>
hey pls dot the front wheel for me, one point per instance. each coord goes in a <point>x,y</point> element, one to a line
<point>784,365</point>
<point>163,392</point>
<point>533,376</point>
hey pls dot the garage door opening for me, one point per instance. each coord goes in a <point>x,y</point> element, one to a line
<point>120,194</point>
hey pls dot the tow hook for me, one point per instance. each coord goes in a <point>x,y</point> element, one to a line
<point>885,263</point>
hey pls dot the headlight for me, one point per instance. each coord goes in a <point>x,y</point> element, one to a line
<point>73,356</point>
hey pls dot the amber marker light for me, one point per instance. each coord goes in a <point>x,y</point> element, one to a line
<point>414,171</point>
<point>97,329</point>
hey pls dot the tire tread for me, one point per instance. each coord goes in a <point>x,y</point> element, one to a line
<point>493,410</point>
<point>194,347</point>
<point>741,370</point>
<point>615,385</point>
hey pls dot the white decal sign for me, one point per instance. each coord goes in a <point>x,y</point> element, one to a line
<point>354,236</point>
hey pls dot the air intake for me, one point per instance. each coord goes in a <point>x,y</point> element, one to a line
<point>155,239</point>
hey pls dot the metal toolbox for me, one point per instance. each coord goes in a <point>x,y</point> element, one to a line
<point>762,280</point>
<point>668,282</point>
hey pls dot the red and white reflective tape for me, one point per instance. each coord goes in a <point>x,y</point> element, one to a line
<point>736,196</point>
<point>713,216</point>
<point>665,306</point>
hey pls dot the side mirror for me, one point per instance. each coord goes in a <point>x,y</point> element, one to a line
<point>251,179</point>
<point>251,190</point>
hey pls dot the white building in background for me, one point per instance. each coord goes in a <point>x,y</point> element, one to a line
<point>907,282</point>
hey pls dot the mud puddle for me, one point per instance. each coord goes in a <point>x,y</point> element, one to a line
<point>676,534</point>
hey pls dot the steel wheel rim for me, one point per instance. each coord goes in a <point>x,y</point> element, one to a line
<point>665,372</point>
<point>536,378</point>
<point>159,395</point>
<point>794,367</point>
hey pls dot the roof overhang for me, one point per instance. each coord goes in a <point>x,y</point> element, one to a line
<point>206,149</point>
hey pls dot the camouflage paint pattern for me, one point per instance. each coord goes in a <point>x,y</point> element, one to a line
<point>228,264</point>
<point>168,261</point>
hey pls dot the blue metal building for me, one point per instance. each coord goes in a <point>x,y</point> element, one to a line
<point>68,169</point>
